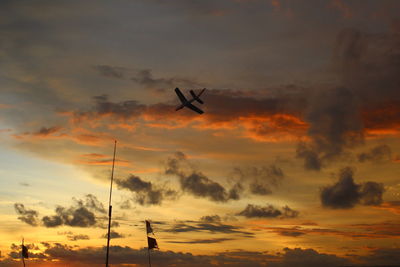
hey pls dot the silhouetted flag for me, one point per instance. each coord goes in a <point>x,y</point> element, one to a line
<point>152,242</point>
<point>25,252</point>
<point>148,228</point>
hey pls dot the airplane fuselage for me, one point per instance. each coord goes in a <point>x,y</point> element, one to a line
<point>185,104</point>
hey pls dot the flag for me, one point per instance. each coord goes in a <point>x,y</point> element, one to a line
<point>25,252</point>
<point>148,228</point>
<point>152,242</point>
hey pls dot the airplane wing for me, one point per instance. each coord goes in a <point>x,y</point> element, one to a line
<point>180,95</point>
<point>202,91</point>
<point>194,108</point>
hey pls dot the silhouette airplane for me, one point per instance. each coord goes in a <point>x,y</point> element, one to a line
<point>188,103</point>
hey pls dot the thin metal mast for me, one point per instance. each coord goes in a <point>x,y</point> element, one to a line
<point>109,204</point>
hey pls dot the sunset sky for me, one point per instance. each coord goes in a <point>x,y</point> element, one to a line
<point>295,162</point>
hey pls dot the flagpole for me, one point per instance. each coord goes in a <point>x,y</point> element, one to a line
<point>109,204</point>
<point>148,251</point>
<point>22,254</point>
<point>148,247</point>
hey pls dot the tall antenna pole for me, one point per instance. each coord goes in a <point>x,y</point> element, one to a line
<point>109,204</point>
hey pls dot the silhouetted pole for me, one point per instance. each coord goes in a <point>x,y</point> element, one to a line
<point>109,204</point>
<point>22,254</point>
<point>148,251</point>
<point>148,247</point>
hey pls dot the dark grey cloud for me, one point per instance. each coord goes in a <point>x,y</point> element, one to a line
<point>211,218</point>
<point>371,193</point>
<point>126,204</point>
<point>211,227</point>
<point>368,98</point>
<point>45,131</point>
<point>335,124</point>
<point>269,211</point>
<point>376,154</point>
<point>74,237</point>
<point>15,252</point>
<point>78,237</point>
<point>92,203</point>
<point>113,235</point>
<point>308,258</point>
<point>202,241</point>
<point>311,158</point>
<point>289,257</point>
<point>222,105</point>
<point>122,255</point>
<point>145,77</point>
<point>291,233</point>
<point>146,192</point>
<point>26,215</point>
<point>110,71</point>
<point>173,165</point>
<point>342,194</point>
<point>83,213</point>
<point>73,216</point>
<point>227,104</point>
<point>345,193</point>
<point>261,179</point>
<point>32,246</point>
<point>368,63</point>
<point>198,184</point>
<point>381,257</point>
<point>124,109</point>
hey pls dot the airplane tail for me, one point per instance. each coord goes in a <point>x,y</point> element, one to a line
<point>197,97</point>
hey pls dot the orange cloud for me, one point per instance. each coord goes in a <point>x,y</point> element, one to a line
<point>274,128</point>
<point>78,135</point>
<point>100,159</point>
<point>259,118</point>
<point>144,148</point>
<point>392,206</point>
<point>94,155</point>
<point>103,162</point>
<point>382,120</point>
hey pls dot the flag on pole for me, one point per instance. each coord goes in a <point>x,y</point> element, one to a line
<point>148,228</point>
<point>25,252</point>
<point>152,243</point>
